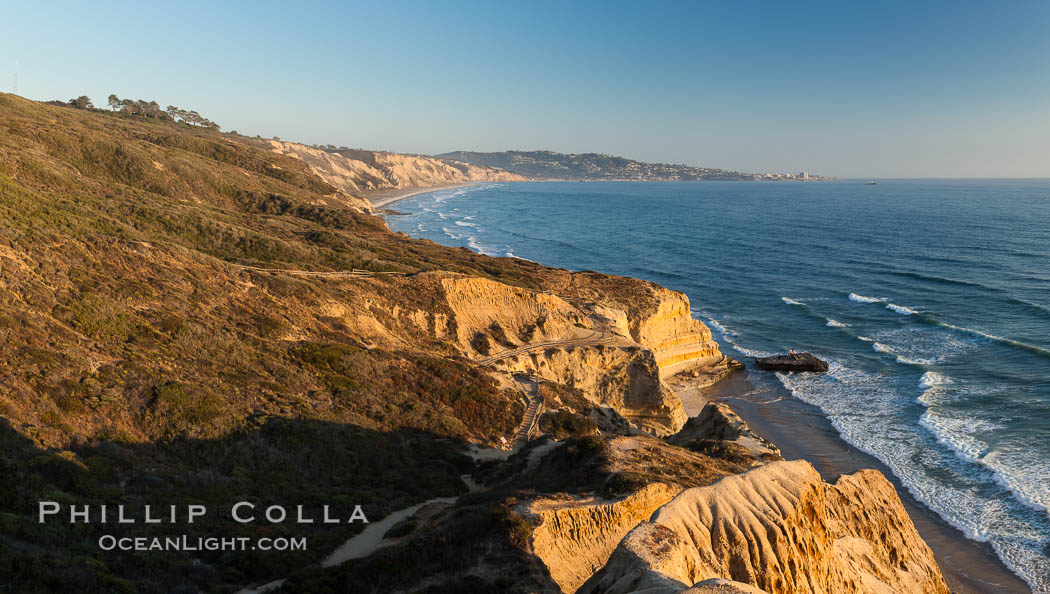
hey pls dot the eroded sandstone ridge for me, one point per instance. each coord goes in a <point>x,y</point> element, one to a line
<point>617,356</point>
<point>359,171</point>
<point>780,528</point>
<point>575,537</point>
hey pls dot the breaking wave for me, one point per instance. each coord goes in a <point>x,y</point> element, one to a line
<point>863,299</point>
<point>902,309</point>
<point>904,359</point>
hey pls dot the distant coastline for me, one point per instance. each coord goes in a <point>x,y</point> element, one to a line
<point>554,166</point>
<point>386,197</point>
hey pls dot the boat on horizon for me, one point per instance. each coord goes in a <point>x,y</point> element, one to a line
<point>871,183</point>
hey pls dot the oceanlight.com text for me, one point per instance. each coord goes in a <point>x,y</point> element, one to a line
<point>199,543</point>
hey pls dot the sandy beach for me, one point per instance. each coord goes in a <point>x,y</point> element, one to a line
<point>383,198</point>
<point>802,432</point>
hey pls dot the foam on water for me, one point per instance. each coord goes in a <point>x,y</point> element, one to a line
<point>916,345</point>
<point>791,301</point>
<point>957,433</point>
<point>902,309</point>
<point>932,379</point>
<point>881,348</point>
<point>836,324</point>
<point>451,233</point>
<point>1023,475</point>
<point>863,299</point>
<point>712,322</point>
<point>472,243</point>
<point>970,433</point>
<point>511,254</point>
<point>992,337</point>
<point>934,387</point>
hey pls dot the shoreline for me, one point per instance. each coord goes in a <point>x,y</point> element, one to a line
<point>801,431</point>
<point>383,198</point>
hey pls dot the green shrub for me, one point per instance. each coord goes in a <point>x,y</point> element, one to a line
<point>480,343</point>
<point>101,318</point>
<point>183,408</point>
<point>563,424</point>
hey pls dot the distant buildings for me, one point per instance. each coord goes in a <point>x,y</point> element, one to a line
<point>803,175</point>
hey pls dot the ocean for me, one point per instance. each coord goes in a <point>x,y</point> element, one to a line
<point>930,299</point>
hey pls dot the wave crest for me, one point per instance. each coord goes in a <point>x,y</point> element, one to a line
<point>907,311</point>
<point>865,299</point>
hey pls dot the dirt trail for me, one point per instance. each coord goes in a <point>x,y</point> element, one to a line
<point>595,337</point>
<point>335,273</point>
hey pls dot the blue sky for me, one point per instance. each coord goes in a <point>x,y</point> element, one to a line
<point>875,89</point>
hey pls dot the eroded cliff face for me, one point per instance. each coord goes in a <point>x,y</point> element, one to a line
<point>359,171</point>
<point>780,528</point>
<point>617,357</point>
<point>678,341</point>
<point>574,537</point>
<point>624,378</point>
<point>508,317</point>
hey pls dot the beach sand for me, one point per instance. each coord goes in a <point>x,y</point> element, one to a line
<point>385,197</point>
<point>801,431</point>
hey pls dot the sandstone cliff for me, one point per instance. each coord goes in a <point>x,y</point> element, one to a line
<point>618,356</point>
<point>358,171</point>
<point>780,528</point>
<point>574,538</point>
<point>678,341</point>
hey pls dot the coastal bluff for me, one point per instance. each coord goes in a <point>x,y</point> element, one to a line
<point>616,355</point>
<point>357,172</point>
<point>778,528</point>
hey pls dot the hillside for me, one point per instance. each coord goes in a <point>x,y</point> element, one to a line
<point>591,166</point>
<point>191,317</point>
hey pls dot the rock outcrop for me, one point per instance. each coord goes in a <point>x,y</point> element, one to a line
<point>718,431</point>
<point>792,362</point>
<point>574,537</point>
<point>625,379</point>
<point>360,171</point>
<point>678,341</point>
<point>779,528</point>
